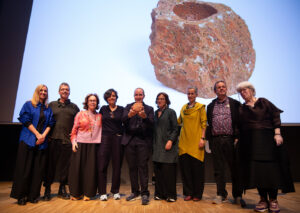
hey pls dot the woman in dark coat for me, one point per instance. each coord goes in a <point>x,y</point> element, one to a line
<point>262,150</point>
<point>165,149</point>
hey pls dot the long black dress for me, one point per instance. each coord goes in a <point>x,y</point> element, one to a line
<point>264,164</point>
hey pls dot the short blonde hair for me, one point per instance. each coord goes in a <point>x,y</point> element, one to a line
<point>36,95</point>
<point>245,84</point>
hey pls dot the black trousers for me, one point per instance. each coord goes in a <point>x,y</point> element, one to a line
<point>137,154</point>
<point>109,148</point>
<point>29,171</point>
<point>264,192</point>
<point>192,173</point>
<point>165,180</point>
<point>223,152</point>
<point>83,171</point>
<point>59,155</point>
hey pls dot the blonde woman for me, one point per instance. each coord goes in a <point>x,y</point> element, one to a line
<point>36,119</point>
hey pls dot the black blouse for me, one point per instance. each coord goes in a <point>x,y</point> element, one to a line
<point>112,120</point>
<point>264,115</point>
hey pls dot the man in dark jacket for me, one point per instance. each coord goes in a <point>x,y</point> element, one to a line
<point>138,120</point>
<point>222,134</point>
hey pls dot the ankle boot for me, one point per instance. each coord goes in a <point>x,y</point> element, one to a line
<point>62,192</point>
<point>47,195</point>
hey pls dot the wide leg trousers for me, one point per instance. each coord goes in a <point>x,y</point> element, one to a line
<point>58,160</point>
<point>165,180</point>
<point>192,173</point>
<point>29,172</point>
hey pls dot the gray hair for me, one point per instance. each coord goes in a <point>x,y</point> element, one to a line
<point>194,88</point>
<point>63,84</point>
<point>245,84</point>
<point>215,85</point>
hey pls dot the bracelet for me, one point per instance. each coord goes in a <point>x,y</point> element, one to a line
<point>277,134</point>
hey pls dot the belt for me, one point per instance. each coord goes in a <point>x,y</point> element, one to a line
<point>222,136</point>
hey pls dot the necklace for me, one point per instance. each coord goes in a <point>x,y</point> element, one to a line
<point>92,122</point>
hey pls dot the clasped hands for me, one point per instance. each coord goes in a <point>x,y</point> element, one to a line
<point>40,139</point>
<point>137,109</point>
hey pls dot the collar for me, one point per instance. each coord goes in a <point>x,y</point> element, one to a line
<point>222,102</point>
<point>63,104</point>
<point>41,105</point>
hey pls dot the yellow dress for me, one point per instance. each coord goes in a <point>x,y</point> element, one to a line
<point>193,121</point>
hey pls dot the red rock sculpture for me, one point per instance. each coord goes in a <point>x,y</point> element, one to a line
<point>195,43</point>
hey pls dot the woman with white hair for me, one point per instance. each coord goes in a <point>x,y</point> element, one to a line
<point>261,149</point>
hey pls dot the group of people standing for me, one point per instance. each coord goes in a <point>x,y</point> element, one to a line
<point>79,145</point>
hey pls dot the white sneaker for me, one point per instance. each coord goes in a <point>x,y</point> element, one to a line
<point>117,196</point>
<point>103,197</point>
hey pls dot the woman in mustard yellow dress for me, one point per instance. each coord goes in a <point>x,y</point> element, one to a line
<point>191,146</point>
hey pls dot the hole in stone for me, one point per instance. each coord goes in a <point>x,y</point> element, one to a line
<point>193,11</point>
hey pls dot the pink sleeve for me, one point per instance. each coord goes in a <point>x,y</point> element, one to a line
<point>75,127</point>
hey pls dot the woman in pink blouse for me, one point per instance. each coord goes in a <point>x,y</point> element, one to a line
<point>85,135</point>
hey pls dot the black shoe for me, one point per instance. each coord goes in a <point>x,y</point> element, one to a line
<point>22,201</point>
<point>133,197</point>
<point>34,200</point>
<point>62,193</point>
<point>47,194</point>
<point>240,201</point>
<point>145,200</point>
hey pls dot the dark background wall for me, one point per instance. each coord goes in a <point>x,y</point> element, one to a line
<point>8,153</point>
<point>14,21</point>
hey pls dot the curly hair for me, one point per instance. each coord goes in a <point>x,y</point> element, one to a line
<point>108,93</point>
<point>85,103</point>
<point>168,102</point>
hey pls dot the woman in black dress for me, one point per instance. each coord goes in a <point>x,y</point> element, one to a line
<point>262,150</point>
<point>110,146</point>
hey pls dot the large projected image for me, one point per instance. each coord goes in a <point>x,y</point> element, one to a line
<point>96,45</point>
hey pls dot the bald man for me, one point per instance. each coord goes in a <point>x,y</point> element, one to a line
<point>138,119</point>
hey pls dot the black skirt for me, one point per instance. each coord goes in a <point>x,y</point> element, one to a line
<point>263,164</point>
<point>83,171</point>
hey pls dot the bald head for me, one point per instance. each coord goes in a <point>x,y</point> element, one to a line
<point>139,95</point>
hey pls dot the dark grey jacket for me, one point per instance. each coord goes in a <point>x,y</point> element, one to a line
<point>165,128</point>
